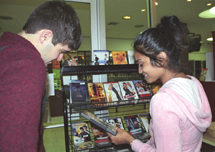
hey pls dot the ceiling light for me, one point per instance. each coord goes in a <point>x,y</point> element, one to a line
<point>212,10</point>
<point>209,13</point>
<point>208,4</point>
<point>156,3</point>
<point>210,39</point>
<point>143,10</point>
<point>189,0</point>
<point>126,17</point>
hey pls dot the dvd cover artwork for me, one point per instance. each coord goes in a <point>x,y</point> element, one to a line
<point>119,57</point>
<point>135,128</point>
<point>142,88</point>
<point>99,122</point>
<point>155,88</point>
<point>78,91</point>
<point>133,124</point>
<point>113,93</point>
<point>128,90</point>
<point>145,120</point>
<point>116,121</point>
<point>131,59</point>
<point>101,57</point>
<point>100,136</point>
<point>97,93</point>
<point>81,136</point>
<point>56,64</point>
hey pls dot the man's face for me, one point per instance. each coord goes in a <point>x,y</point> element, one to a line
<point>51,52</point>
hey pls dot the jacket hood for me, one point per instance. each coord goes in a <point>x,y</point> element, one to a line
<point>200,117</point>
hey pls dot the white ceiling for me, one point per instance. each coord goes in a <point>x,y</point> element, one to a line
<point>188,12</point>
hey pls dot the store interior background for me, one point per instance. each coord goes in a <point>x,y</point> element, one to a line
<point>120,33</point>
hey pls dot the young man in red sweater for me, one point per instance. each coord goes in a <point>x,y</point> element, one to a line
<point>52,29</point>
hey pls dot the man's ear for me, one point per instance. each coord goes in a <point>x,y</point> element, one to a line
<point>46,35</point>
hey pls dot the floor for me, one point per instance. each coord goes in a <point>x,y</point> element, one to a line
<point>53,137</point>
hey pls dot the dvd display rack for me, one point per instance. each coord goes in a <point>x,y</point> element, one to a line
<point>72,111</point>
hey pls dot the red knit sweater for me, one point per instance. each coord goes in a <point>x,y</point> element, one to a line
<point>22,86</point>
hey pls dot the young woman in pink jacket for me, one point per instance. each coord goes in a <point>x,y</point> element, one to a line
<point>180,111</point>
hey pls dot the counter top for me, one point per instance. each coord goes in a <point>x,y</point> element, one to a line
<point>208,139</point>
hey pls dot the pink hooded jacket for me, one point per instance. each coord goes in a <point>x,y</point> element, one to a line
<point>176,124</point>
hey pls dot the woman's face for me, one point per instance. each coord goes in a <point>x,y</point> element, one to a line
<point>151,73</point>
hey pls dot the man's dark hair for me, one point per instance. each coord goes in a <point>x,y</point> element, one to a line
<point>58,17</point>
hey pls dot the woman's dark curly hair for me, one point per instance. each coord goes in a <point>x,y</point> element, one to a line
<point>170,36</point>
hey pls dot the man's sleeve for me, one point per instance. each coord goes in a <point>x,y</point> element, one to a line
<point>23,88</point>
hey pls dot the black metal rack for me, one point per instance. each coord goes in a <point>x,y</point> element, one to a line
<point>98,69</point>
<point>86,70</point>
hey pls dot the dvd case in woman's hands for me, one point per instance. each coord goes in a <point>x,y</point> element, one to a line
<point>99,122</point>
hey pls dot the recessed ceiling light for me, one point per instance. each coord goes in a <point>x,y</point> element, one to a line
<point>139,26</point>
<point>208,4</point>
<point>126,17</point>
<point>113,23</point>
<point>210,39</point>
<point>156,3</point>
<point>143,10</point>
<point>6,17</point>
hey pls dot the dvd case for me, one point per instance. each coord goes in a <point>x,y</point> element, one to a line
<point>97,93</point>
<point>78,92</point>
<point>113,93</point>
<point>99,122</point>
<point>145,120</point>
<point>135,128</point>
<point>101,57</point>
<point>100,136</point>
<point>128,90</point>
<point>142,88</point>
<point>131,59</point>
<point>119,57</point>
<point>81,136</point>
<point>133,124</point>
<point>116,121</point>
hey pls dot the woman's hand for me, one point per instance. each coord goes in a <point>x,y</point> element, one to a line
<point>122,137</point>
